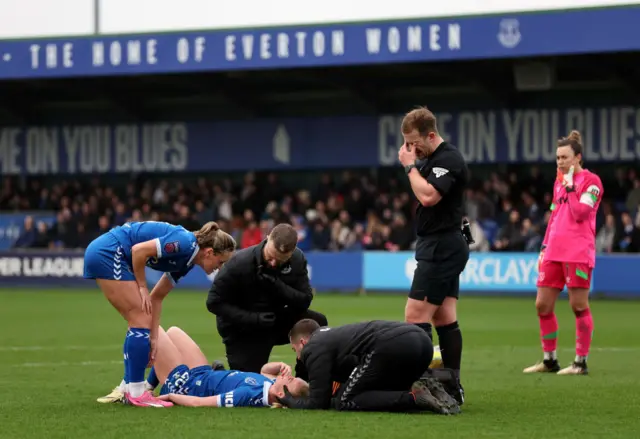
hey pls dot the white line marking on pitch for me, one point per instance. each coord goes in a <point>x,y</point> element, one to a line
<point>66,363</point>
<point>59,348</point>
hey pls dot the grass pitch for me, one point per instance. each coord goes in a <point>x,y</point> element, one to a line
<point>61,350</point>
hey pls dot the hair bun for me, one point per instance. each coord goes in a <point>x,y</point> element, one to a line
<point>575,136</point>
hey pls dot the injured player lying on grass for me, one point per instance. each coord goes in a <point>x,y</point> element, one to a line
<point>190,381</point>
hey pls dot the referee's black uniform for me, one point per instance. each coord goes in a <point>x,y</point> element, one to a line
<point>442,251</point>
<point>253,314</point>
<point>377,362</point>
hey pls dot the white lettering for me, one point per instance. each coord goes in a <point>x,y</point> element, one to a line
<point>393,39</point>
<point>10,267</point>
<point>388,145</point>
<point>265,46</point>
<point>434,37</point>
<point>67,55</point>
<point>53,267</point>
<point>283,45</point>
<point>124,135</point>
<point>200,46</point>
<point>98,54</point>
<point>183,50</point>
<point>531,136</point>
<point>301,38</point>
<point>41,150</point>
<point>9,151</point>
<point>318,44</point>
<point>88,148</point>
<point>455,39</point>
<point>35,52</point>
<point>115,53</point>
<point>489,271</point>
<point>414,39</point>
<point>512,128</point>
<point>337,42</point>
<point>373,40</point>
<point>134,52</point>
<point>549,135</point>
<point>51,51</point>
<point>247,46</point>
<point>230,48</point>
<point>152,51</point>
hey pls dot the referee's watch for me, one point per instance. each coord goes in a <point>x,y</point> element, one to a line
<point>408,168</point>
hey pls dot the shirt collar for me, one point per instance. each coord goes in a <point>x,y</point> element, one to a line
<point>265,395</point>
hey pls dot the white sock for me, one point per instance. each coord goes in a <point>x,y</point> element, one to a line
<point>123,386</point>
<point>148,386</point>
<point>136,389</point>
<point>550,355</point>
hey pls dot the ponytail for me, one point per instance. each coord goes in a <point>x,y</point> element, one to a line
<point>210,236</point>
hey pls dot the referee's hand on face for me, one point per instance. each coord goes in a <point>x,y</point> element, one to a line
<point>407,155</point>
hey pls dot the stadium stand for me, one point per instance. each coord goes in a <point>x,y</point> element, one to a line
<point>353,211</point>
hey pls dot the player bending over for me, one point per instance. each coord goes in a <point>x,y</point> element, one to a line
<point>190,381</point>
<point>117,261</point>
<point>568,256</point>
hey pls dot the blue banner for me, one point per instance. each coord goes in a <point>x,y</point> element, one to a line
<point>617,274</point>
<point>335,271</point>
<point>489,273</point>
<point>501,36</point>
<point>485,272</point>
<point>492,136</point>
<point>12,226</point>
<point>327,271</point>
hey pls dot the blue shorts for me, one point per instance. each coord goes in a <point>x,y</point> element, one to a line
<point>104,259</point>
<point>185,381</point>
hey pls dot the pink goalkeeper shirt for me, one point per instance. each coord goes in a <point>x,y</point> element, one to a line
<point>571,233</point>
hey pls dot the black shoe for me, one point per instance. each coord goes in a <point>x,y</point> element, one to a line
<point>446,399</point>
<point>458,393</point>
<point>218,365</point>
<point>426,401</point>
<point>552,365</point>
<point>449,380</point>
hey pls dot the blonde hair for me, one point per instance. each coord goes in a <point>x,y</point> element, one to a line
<point>304,392</point>
<point>211,236</point>
<point>420,119</point>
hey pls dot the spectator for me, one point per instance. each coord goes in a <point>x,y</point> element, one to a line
<point>360,210</point>
<point>510,237</point>
<point>251,235</point>
<point>633,198</point>
<point>627,239</point>
<point>28,236</point>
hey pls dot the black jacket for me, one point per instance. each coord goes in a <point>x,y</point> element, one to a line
<point>332,353</point>
<point>238,296</point>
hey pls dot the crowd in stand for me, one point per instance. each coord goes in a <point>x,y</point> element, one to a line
<point>359,211</point>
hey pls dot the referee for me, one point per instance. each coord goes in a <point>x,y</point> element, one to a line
<point>257,297</point>
<point>438,175</point>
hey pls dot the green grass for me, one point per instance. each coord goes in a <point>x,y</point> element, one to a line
<point>60,350</point>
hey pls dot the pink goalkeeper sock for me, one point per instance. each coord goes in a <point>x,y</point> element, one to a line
<point>548,332</point>
<point>584,332</point>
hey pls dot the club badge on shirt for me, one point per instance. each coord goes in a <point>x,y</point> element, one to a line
<point>172,247</point>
